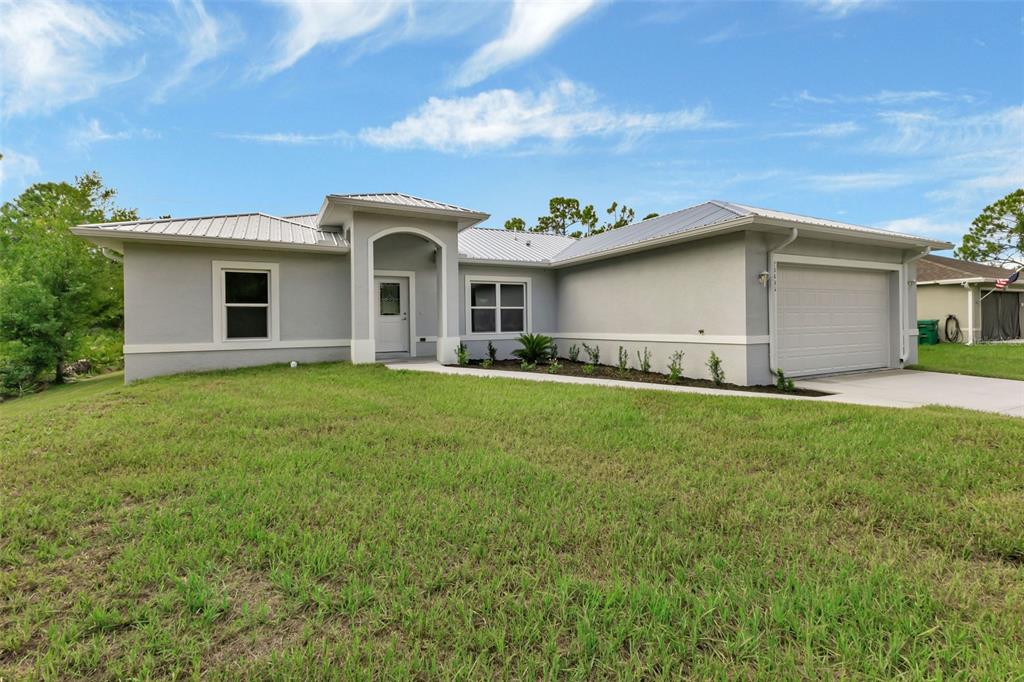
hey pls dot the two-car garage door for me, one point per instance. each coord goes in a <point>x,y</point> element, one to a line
<point>832,319</point>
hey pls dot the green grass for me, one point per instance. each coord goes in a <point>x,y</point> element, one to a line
<point>55,396</point>
<point>353,522</point>
<point>1002,360</point>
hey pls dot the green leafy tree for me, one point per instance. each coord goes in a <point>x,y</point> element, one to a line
<point>53,285</point>
<point>997,235</point>
<point>563,213</point>
<point>515,225</point>
<point>650,215</point>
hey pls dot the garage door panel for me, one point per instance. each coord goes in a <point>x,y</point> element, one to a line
<point>832,319</point>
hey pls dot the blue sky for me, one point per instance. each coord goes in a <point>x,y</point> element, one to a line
<point>908,116</point>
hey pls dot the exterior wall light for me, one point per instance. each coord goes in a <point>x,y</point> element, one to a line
<point>763,278</point>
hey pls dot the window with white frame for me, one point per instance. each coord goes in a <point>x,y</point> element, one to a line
<point>497,307</point>
<point>246,304</point>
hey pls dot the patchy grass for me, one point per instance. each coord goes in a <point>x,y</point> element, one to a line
<point>1001,360</point>
<point>354,522</point>
<point>61,395</point>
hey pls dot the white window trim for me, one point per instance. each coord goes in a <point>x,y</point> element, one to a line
<point>498,280</point>
<point>220,307</point>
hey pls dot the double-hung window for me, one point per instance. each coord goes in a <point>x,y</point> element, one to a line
<point>246,304</point>
<point>497,307</point>
<point>245,301</point>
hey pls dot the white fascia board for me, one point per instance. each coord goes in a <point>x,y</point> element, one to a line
<point>959,280</point>
<point>856,235</point>
<point>107,237</point>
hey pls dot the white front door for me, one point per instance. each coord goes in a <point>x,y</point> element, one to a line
<point>392,307</point>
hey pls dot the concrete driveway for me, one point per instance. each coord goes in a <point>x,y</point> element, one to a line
<point>909,388</point>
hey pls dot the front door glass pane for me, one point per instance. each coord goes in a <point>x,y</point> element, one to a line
<point>390,298</point>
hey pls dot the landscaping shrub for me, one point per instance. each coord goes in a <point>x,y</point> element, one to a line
<point>462,354</point>
<point>574,353</point>
<point>782,382</point>
<point>644,360</point>
<point>715,367</point>
<point>675,366</point>
<point>623,360</point>
<point>535,348</point>
<point>492,352</point>
<point>593,354</point>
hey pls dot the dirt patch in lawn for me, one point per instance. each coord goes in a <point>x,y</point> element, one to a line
<point>577,369</point>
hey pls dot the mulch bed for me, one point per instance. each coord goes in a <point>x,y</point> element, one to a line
<point>575,369</point>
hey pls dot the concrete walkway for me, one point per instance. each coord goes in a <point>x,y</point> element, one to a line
<point>893,388</point>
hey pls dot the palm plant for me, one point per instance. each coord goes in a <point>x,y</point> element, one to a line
<point>535,348</point>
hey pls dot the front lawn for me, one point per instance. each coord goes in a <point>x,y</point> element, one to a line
<point>356,522</point>
<point>1001,360</point>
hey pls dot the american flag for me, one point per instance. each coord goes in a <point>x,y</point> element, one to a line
<point>1004,282</point>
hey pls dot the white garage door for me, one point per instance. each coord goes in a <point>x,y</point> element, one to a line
<point>832,319</point>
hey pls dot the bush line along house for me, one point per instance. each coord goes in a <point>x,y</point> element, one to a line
<point>380,276</point>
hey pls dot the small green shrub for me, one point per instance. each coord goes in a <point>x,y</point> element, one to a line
<point>554,366</point>
<point>644,360</point>
<point>535,348</point>
<point>462,354</point>
<point>623,360</point>
<point>492,353</point>
<point>588,369</point>
<point>524,365</point>
<point>675,366</point>
<point>714,365</point>
<point>782,382</point>
<point>593,354</point>
<point>487,363</point>
<point>554,352</point>
<point>574,353</point>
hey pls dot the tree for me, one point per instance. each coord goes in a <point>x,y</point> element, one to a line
<point>53,285</point>
<point>997,235</point>
<point>650,215</point>
<point>564,213</point>
<point>515,224</point>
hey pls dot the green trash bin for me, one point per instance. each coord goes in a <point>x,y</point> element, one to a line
<point>928,332</point>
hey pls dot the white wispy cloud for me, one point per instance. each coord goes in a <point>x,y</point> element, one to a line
<point>846,182</point>
<point>722,35</point>
<point>827,130</point>
<point>531,27</point>
<point>52,53</point>
<point>93,133</point>
<point>497,119</point>
<point>290,138</point>
<point>838,9</point>
<point>315,23</point>
<point>15,168</point>
<point>998,132</point>
<point>880,98</point>
<point>929,226</point>
<point>203,38</point>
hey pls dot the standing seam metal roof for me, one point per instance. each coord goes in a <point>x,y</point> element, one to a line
<point>258,227</point>
<point>527,247</point>
<point>399,199</point>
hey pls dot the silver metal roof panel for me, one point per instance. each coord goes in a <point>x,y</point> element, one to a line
<point>482,243</point>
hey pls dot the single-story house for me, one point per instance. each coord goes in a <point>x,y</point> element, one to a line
<point>967,291</point>
<point>377,276</point>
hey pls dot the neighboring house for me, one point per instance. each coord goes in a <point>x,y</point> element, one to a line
<point>967,291</point>
<point>374,276</point>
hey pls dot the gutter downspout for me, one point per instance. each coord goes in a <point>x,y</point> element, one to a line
<point>904,304</point>
<point>970,314</point>
<point>773,283</point>
<point>110,254</point>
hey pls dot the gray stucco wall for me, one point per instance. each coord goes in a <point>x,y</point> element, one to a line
<point>695,291</point>
<point>169,301</point>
